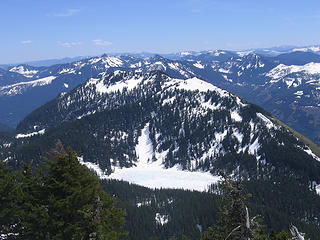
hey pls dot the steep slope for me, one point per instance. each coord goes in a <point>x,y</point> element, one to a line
<point>189,124</point>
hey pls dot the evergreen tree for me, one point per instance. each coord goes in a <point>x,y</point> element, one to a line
<point>78,208</point>
<point>65,202</point>
<point>234,222</point>
<point>32,199</point>
<point>8,202</point>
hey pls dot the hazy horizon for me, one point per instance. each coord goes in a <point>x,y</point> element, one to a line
<point>39,30</point>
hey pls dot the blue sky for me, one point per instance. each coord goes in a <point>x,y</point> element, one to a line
<point>45,29</point>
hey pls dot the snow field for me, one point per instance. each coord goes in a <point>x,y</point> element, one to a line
<point>153,174</point>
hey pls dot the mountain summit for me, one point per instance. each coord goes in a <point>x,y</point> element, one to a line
<point>187,124</point>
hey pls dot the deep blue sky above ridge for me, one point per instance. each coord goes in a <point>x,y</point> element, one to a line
<point>44,29</point>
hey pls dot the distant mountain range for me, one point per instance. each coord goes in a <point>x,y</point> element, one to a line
<point>288,49</point>
<point>287,85</point>
<point>274,51</point>
<point>46,62</point>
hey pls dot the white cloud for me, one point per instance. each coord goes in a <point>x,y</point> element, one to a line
<point>26,42</point>
<point>100,42</point>
<point>67,13</point>
<point>69,44</point>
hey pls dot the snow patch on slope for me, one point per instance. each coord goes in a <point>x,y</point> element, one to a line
<point>318,189</point>
<point>309,151</point>
<point>244,53</point>
<point>282,70</point>
<point>94,167</point>
<point>222,70</point>
<point>254,147</point>
<point>211,106</point>
<point>68,70</point>
<point>17,88</point>
<point>239,136</point>
<point>23,71</point>
<point>102,88</point>
<point>152,174</point>
<point>235,116</point>
<point>198,65</point>
<point>21,135</point>
<point>266,120</point>
<point>144,148</point>
<point>112,62</point>
<point>158,66</point>
<point>168,100</point>
<point>161,219</point>
<point>215,146</point>
<point>95,60</point>
<point>177,67</point>
<point>194,84</point>
<point>298,93</point>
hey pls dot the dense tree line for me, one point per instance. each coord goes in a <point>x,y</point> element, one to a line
<point>189,212</point>
<point>64,201</point>
<point>192,214</point>
<point>235,221</point>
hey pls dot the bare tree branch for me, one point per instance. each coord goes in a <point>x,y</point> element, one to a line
<point>233,232</point>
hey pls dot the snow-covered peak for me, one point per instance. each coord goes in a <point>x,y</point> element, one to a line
<point>195,84</point>
<point>120,80</point>
<point>95,60</point>
<point>250,56</point>
<point>23,70</point>
<point>307,49</point>
<point>112,61</point>
<point>282,70</point>
<point>159,65</point>
<point>183,54</point>
<point>244,53</point>
<point>102,63</point>
<point>103,88</point>
<point>217,53</point>
<point>108,61</point>
<point>117,81</point>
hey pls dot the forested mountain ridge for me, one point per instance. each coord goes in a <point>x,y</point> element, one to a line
<point>188,121</point>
